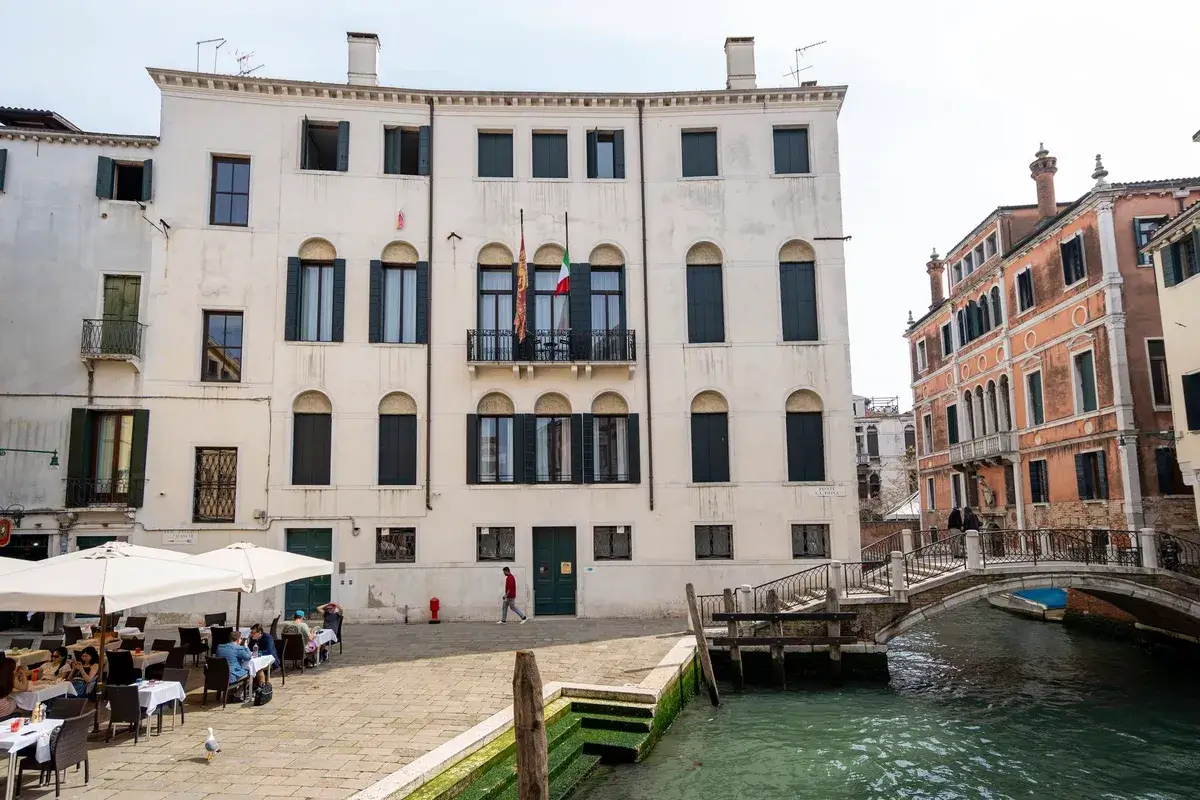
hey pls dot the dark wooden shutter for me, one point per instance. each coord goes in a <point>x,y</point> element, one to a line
<point>147,180</point>
<point>311,449</point>
<point>339,299</point>
<point>1191,400</point>
<point>104,177</point>
<point>423,302</point>
<point>952,424</point>
<point>391,151</point>
<point>783,156</point>
<point>589,448</point>
<point>710,448</point>
<point>525,437</point>
<point>472,448</point>
<point>291,312</point>
<point>424,151</point>
<point>1036,489</point>
<point>137,457</point>
<point>623,325</point>
<point>700,457</point>
<point>794,425</point>
<point>1102,474</point>
<point>375,304</point>
<point>619,154</point>
<point>3,165</point>
<point>486,154</point>
<point>705,304</point>
<point>79,458</point>
<point>578,433</point>
<point>798,301</point>
<point>397,450</point>
<point>719,447</point>
<point>634,441</point>
<point>592,171</point>
<point>580,302</point>
<point>343,146</point>
<point>304,144</point>
<point>1082,478</point>
<point>805,446</point>
<point>1162,465</point>
<point>1010,485</point>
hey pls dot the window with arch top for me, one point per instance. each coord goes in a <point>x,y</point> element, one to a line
<point>710,438</point>
<point>312,431</point>
<point>705,295</point>
<point>491,441</point>
<point>806,437</point>
<point>397,440</point>
<point>399,297</point>
<point>798,292</point>
<point>315,307</point>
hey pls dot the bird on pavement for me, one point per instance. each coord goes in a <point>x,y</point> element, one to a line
<point>210,745</point>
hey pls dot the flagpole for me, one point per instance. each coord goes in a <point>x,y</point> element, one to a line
<point>566,232</point>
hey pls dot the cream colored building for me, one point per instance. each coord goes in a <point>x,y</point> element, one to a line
<point>330,363</point>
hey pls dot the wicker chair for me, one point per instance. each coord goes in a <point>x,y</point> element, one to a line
<point>70,749</point>
<point>334,622</point>
<point>50,644</point>
<point>124,709</point>
<point>20,644</point>
<point>133,643</point>
<point>136,622</point>
<point>66,707</point>
<point>120,668</point>
<point>181,677</point>
<point>220,635</point>
<point>216,679</point>
<point>72,634</point>
<point>162,645</point>
<point>215,619</point>
<point>192,643</point>
<point>274,626</point>
<point>291,647</point>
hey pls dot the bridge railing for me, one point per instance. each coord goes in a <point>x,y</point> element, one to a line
<point>944,555</point>
<point>866,577</point>
<point>879,552</point>
<point>1072,545</point>
<point>1178,553</point>
<point>793,588</point>
<point>708,603</point>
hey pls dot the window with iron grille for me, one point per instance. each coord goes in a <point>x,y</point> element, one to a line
<point>810,541</point>
<point>215,495</point>
<point>612,543</point>
<point>395,545</point>
<point>495,544</point>
<point>714,541</point>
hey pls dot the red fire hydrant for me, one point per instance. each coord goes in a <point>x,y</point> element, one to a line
<point>435,606</point>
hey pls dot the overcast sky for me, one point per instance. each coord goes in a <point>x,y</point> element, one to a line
<point>946,106</point>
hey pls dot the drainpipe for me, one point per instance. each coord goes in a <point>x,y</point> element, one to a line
<point>646,303</point>
<point>429,331</point>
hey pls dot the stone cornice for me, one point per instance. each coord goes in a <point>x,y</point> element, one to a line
<point>177,80</point>
<point>80,137</point>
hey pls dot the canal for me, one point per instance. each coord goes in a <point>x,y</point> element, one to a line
<point>981,704</point>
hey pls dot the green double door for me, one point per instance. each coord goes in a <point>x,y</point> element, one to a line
<point>308,593</point>
<point>553,571</point>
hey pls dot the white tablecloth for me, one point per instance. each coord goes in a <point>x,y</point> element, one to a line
<point>153,695</point>
<point>41,693</point>
<point>39,732</point>
<point>28,658</point>
<point>325,636</point>
<point>260,663</point>
<point>145,659</point>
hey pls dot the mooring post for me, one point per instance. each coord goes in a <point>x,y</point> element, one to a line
<point>832,603</point>
<point>778,675</point>
<point>529,722</point>
<point>735,652</point>
<point>745,600</point>
<point>974,555</point>
<point>702,646</point>
<point>1148,547</point>
<point>906,540</point>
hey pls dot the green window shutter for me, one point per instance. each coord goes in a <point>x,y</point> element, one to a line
<point>343,146</point>
<point>79,458</point>
<point>304,143</point>
<point>589,448</point>
<point>1102,471</point>
<point>424,150</point>
<point>472,448</point>
<point>291,314</point>
<point>1195,269</point>
<point>391,151</point>
<point>104,178</point>
<point>525,430</point>
<point>3,164</point>
<point>1191,400</point>
<point>423,302</point>
<point>591,154</point>
<point>375,303</point>
<point>619,154</point>
<point>137,458</point>
<point>339,300</point>
<point>1169,256</point>
<point>634,456</point>
<point>579,301</point>
<point>1087,377</point>
<point>147,180</point>
<point>578,433</point>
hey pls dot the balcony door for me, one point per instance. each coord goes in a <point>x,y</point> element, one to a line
<point>119,332</point>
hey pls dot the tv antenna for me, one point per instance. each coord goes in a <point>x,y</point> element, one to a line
<point>243,59</point>
<point>795,73</point>
<point>219,42</point>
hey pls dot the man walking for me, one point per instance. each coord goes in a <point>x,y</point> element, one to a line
<point>510,599</point>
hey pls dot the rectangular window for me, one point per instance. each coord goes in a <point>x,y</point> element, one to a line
<point>214,495</point>
<point>979,256</point>
<point>947,340</point>
<point>221,361</point>
<point>1085,382</point>
<point>1033,390</point>
<point>714,541</point>
<point>1091,475</point>
<point>1025,289</point>
<point>968,264</point>
<point>922,361</point>
<point>495,544</point>
<point>1187,256</point>
<point>551,323</point>
<point>496,450</point>
<point>495,155</point>
<point>956,490</point>
<point>810,541</point>
<point>1170,479</point>
<point>106,459</point>
<point>402,151</point>
<point>399,304</point>
<point>1143,230</point>
<point>127,180</point>
<point>549,155</point>
<point>607,302</point>
<point>710,448</point>
<point>325,146</point>
<point>311,449</point>
<point>956,273</point>
<point>990,246</point>
<point>1039,482</point>
<point>1160,382</point>
<point>798,300</point>
<point>1010,485</point>
<point>791,151</point>
<point>553,449</point>
<point>1072,260</point>
<point>699,154</point>
<point>112,451</point>
<point>806,446</point>
<point>316,302</point>
<point>930,494</point>
<point>397,450</point>
<point>229,201</point>
<point>606,154</point>
<point>927,433</point>
<point>1191,400</point>
<point>611,452</point>
<point>705,304</point>
<point>612,543</point>
<point>395,545</point>
<point>952,424</point>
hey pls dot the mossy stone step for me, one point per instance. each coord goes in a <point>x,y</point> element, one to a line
<point>613,707</point>
<point>493,783</point>
<point>613,722</point>
<point>562,765</point>
<point>569,779</point>
<point>614,747</point>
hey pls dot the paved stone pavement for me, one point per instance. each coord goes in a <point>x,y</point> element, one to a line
<point>395,693</point>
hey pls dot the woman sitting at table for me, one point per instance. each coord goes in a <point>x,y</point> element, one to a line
<point>85,671</point>
<point>59,666</point>
<point>13,679</point>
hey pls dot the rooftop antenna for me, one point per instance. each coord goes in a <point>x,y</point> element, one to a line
<point>795,73</point>
<point>243,59</point>
<point>218,41</point>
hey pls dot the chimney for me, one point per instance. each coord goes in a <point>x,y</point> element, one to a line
<point>1042,171</point>
<point>363,59</point>
<point>739,63</point>
<point>935,268</point>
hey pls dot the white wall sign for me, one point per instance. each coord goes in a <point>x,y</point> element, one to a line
<point>179,537</point>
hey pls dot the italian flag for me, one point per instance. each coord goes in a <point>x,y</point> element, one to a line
<point>564,274</point>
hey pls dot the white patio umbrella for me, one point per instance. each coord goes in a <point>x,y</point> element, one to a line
<point>8,565</point>
<point>262,568</point>
<point>125,548</point>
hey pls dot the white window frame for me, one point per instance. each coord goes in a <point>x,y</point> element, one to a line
<point>931,494</point>
<point>1150,372</point>
<point>1045,488</point>
<point>1109,489</point>
<point>1017,289</point>
<point>956,274</point>
<point>922,357</point>
<point>1075,383</point>
<point>927,432</point>
<point>1029,422</point>
<point>1082,256</point>
<point>942,338</point>
<point>958,490</point>
<point>1136,247</point>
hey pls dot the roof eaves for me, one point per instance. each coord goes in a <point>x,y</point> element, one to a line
<point>1169,229</point>
<point>932,310</point>
<point>82,137</point>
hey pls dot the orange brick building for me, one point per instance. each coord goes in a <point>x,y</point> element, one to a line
<point>1040,384</point>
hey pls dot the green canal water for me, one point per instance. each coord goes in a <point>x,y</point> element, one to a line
<point>981,704</point>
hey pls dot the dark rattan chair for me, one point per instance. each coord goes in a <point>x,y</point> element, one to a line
<point>181,677</point>
<point>192,643</point>
<point>274,626</point>
<point>66,707</point>
<point>72,634</point>
<point>291,647</point>
<point>124,709</point>
<point>216,679</point>
<point>120,668</point>
<point>136,622</point>
<point>21,644</point>
<point>215,619</point>
<point>69,750</point>
<point>334,622</point>
<point>220,635</point>
<point>162,645</point>
<point>133,643</point>
<point>50,644</point>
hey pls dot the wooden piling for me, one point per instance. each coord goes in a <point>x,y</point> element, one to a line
<point>735,652</point>
<point>833,604</point>
<point>702,646</point>
<point>778,674</point>
<point>529,722</point>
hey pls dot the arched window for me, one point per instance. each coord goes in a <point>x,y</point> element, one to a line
<point>806,437</point>
<point>993,410</point>
<point>981,428</point>
<point>606,308</point>
<point>798,291</point>
<point>548,312</point>
<point>397,440</point>
<point>552,439</point>
<point>493,340</point>
<point>1005,405</point>
<point>490,441</point>
<point>997,312</point>
<point>973,320</point>
<point>969,409</point>
<point>398,296</point>
<point>616,456</point>
<point>705,294</point>
<point>312,431</point>
<point>873,441</point>
<point>710,438</point>
<point>963,332</point>
<point>874,486</point>
<point>910,438</point>
<point>985,320</point>
<point>316,294</point>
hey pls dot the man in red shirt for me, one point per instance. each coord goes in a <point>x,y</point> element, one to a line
<point>510,599</point>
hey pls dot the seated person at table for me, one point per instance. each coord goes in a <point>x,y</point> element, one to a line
<point>59,665</point>
<point>84,671</point>
<point>298,625</point>
<point>263,641</point>
<point>13,679</point>
<point>237,654</point>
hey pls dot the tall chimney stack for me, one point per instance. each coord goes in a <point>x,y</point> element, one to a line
<point>363,61</point>
<point>739,63</point>
<point>1042,171</point>
<point>935,268</point>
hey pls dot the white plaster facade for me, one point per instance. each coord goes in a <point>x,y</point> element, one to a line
<point>748,212</point>
<point>882,438</point>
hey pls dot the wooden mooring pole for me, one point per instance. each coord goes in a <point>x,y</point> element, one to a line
<point>832,603</point>
<point>778,673</point>
<point>735,652</point>
<point>702,646</point>
<point>529,722</point>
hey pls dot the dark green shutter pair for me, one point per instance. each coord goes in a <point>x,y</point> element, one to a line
<point>952,424</point>
<point>1083,476</point>
<point>806,446</point>
<point>392,149</point>
<point>375,303</point>
<point>312,449</point>
<point>798,300</point>
<point>397,450</point>
<point>81,458</point>
<point>710,448</point>
<point>705,304</point>
<point>291,316</point>
<point>618,154</point>
<point>106,179</point>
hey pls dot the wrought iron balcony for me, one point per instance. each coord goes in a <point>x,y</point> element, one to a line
<point>551,347</point>
<point>112,339</point>
<point>84,492</point>
<point>993,447</point>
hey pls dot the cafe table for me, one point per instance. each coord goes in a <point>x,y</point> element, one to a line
<point>42,691</point>
<point>27,735</point>
<point>146,659</point>
<point>153,695</point>
<point>28,658</point>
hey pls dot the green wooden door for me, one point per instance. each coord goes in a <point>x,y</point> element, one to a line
<point>121,295</point>
<point>308,593</point>
<point>553,571</point>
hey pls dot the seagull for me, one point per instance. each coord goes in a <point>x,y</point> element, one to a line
<point>211,746</point>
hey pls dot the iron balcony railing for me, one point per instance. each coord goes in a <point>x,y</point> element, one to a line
<point>83,492</point>
<point>550,347</point>
<point>991,446</point>
<point>112,338</point>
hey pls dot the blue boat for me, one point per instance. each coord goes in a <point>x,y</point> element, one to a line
<point>1048,605</point>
